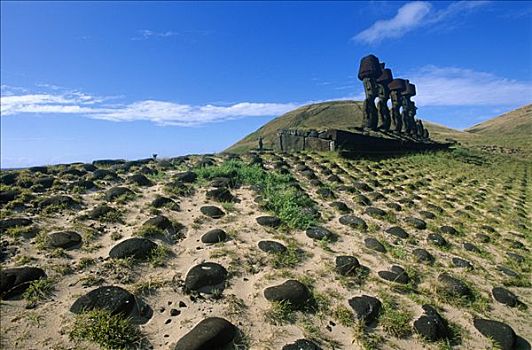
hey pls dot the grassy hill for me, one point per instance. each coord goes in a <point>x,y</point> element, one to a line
<point>508,133</point>
<point>333,115</point>
<point>511,130</point>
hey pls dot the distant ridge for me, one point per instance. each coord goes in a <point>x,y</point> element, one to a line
<point>345,114</point>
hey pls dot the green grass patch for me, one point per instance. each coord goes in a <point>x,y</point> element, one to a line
<point>107,330</point>
<point>394,319</point>
<point>279,194</point>
<point>39,290</point>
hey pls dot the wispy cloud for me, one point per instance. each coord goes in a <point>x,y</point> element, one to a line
<point>159,112</point>
<point>413,15</point>
<point>453,86</point>
<point>436,86</point>
<point>146,34</point>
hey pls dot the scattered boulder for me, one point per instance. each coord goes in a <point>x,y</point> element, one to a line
<point>367,308</point>
<point>114,299</point>
<point>140,180</point>
<point>454,286</point>
<point>212,211</point>
<point>396,274</point>
<point>271,247</point>
<point>214,236</point>
<point>169,203</point>
<point>482,238</point>
<point>8,196</point>
<point>116,192</point>
<point>64,239</point>
<point>100,211</point>
<point>423,256</point>
<point>59,201</point>
<point>354,222</point>
<point>14,281</point>
<point>222,195</point>
<point>448,230</point>
<point>207,278</point>
<point>459,262</point>
<point>210,333</point>
<point>415,222</point>
<point>437,240</point>
<point>504,296</point>
<point>103,174</point>
<point>515,257</point>
<point>320,233</point>
<point>187,177</point>
<point>397,232</point>
<point>471,247</point>
<point>301,344</point>
<point>346,264</point>
<point>269,221</point>
<point>341,207</point>
<point>427,214</point>
<point>375,212</point>
<point>292,291</point>
<point>431,325</point>
<point>500,333</point>
<point>136,247</point>
<point>374,244</point>
<point>325,193</point>
<point>8,223</point>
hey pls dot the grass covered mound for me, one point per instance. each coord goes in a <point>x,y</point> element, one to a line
<point>278,191</point>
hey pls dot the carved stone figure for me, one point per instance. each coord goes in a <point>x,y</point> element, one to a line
<point>384,94</point>
<point>419,129</point>
<point>408,111</point>
<point>368,72</point>
<point>396,86</point>
<point>261,144</point>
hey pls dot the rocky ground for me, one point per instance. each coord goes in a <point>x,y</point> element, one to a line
<point>268,251</point>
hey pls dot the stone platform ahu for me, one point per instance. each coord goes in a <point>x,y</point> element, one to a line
<point>384,129</point>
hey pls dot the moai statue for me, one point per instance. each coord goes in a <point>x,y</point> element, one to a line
<point>419,129</point>
<point>261,144</point>
<point>384,94</point>
<point>426,134</point>
<point>408,112</point>
<point>368,72</point>
<point>396,87</point>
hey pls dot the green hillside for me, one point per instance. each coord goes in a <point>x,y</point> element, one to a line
<point>332,115</point>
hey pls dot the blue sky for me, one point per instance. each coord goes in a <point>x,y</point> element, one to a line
<point>88,80</point>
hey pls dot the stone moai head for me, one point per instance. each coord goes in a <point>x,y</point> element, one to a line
<point>410,89</point>
<point>383,80</point>
<point>398,86</point>
<point>368,72</point>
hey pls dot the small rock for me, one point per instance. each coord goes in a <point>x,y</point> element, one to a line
<point>136,247</point>
<point>210,333</point>
<point>354,222</point>
<point>459,262</point>
<point>319,233</point>
<point>269,221</point>
<point>292,291</point>
<point>502,334</point>
<point>14,281</point>
<point>212,211</point>
<point>415,222</point>
<point>111,298</point>
<point>366,308</point>
<point>423,256</point>
<point>346,265</point>
<point>214,236</point>
<point>504,296</point>
<point>301,344</point>
<point>454,286</point>
<point>206,278</point>
<point>396,274</point>
<point>374,244</point>
<point>448,230</point>
<point>431,325</point>
<point>64,239</point>
<point>397,232</point>
<point>271,247</point>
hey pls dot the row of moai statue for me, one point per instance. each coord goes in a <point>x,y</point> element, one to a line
<point>379,82</point>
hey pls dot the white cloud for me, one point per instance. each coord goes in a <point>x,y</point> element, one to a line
<point>436,86</point>
<point>159,112</point>
<point>146,34</point>
<point>452,86</point>
<point>413,15</point>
